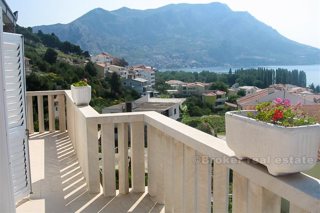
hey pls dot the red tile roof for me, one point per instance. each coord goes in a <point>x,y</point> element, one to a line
<point>252,97</point>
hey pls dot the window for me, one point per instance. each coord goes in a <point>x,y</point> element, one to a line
<point>175,111</point>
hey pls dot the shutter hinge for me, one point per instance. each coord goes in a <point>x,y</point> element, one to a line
<point>27,133</point>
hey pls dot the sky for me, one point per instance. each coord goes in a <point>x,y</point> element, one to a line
<point>298,20</point>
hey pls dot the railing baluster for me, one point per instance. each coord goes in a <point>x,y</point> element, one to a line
<point>93,178</point>
<point>62,113</point>
<point>239,193</point>
<point>189,179</point>
<point>168,175</point>
<point>152,163</point>
<point>220,188</point>
<point>159,156</point>
<point>204,169</point>
<point>261,200</point>
<point>178,177</point>
<point>123,158</point>
<point>40,113</point>
<point>30,114</point>
<point>71,121</point>
<point>137,156</point>
<point>108,159</point>
<point>297,209</point>
<point>51,113</point>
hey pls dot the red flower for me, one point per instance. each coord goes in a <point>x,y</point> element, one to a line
<point>278,114</point>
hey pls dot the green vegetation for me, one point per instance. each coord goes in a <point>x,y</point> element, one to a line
<point>219,85</point>
<point>315,89</point>
<point>259,77</point>
<point>202,116</point>
<point>211,124</point>
<point>50,56</point>
<point>80,84</point>
<point>57,65</point>
<point>51,41</point>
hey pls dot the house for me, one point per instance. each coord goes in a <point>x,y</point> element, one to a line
<point>139,77</point>
<point>266,95</point>
<point>233,91</point>
<point>101,69</point>
<point>215,98</point>
<point>115,68</point>
<point>9,18</point>
<point>249,89</point>
<point>196,88</point>
<point>145,72</point>
<point>103,57</point>
<point>121,71</point>
<point>138,84</point>
<point>175,84</point>
<point>169,107</point>
<point>209,98</point>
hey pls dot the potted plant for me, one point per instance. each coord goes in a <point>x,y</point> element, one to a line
<point>81,93</point>
<point>277,135</point>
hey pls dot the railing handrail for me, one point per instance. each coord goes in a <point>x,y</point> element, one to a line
<point>297,188</point>
<point>45,92</point>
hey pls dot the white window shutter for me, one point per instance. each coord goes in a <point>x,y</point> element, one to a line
<point>13,55</point>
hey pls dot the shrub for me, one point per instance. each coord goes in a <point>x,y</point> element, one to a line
<point>80,84</point>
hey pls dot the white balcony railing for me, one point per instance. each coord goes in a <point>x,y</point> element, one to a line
<point>188,170</point>
<point>56,110</point>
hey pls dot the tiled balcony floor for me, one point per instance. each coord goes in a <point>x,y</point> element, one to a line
<point>58,184</point>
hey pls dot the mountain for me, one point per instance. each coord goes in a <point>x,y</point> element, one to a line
<point>184,35</point>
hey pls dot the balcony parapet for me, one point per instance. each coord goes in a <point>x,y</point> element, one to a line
<point>188,170</point>
<point>50,104</point>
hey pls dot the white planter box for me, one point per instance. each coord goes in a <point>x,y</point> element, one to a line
<point>81,95</point>
<point>283,150</point>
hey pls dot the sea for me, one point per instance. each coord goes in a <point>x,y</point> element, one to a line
<point>312,71</point>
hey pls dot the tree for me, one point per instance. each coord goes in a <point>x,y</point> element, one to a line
<point>50,56</point>
<point>231,78</point>
<point>241,93</point>
<point>312,87</point>
<point>302,79</point>
<point>50,40</point>
<point>295,77</point>
<point>91,69</point>
<point>219,86</point>
<point>161,86</point>
<point>66,47</point>
<point>233,98</point>
<point>86,54</point>
<point>115,84</point>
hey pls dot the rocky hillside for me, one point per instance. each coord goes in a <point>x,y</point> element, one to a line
<point>184,35</point>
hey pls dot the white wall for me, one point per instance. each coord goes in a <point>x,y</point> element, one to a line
<point>171,112</point>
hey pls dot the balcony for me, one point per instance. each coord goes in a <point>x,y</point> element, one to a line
<point>150,164</point>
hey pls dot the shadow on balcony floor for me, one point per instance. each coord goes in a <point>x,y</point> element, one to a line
<point>58,184</point>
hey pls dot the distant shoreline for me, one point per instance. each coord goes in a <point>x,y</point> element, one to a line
<point>312,71</point>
